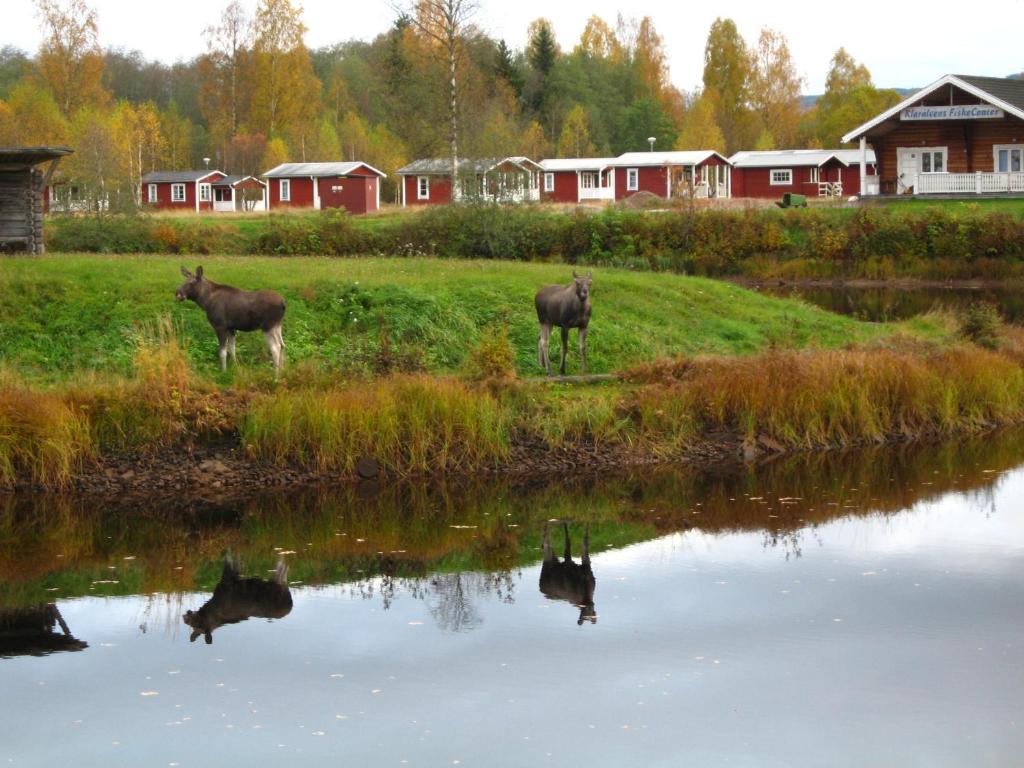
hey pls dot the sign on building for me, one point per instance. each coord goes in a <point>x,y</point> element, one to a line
<point>952,112</point>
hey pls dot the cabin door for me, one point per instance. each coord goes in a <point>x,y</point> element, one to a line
<point>908,165</point>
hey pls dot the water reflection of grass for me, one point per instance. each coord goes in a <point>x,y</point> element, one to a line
<point>343,535</point>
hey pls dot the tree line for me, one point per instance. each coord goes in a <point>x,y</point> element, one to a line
<point>433,84</point>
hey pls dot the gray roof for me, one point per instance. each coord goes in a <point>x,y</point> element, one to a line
<point>176,177</point>
<point>676,157</point>
<point>287,170</point>
<point>791,158</point>
<point>435,166</point>
<point>230,181</point>
<point>23,157</point>
<point>1008,89</point>
<point>576,163</point>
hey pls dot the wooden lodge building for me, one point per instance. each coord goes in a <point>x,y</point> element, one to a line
<point>962,135</point>
<point>22,194</point>
<point>700,173</point>
<point>180,190</point>
<point>354,186</point>
<point>576,180</point>
<point>428,181</point>
<point>810,172</point>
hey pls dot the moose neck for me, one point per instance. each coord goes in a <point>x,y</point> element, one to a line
<point>203,291</point>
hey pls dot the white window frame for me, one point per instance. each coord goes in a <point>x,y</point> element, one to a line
<point>286,190</point>
<point>549,182</point>
<point>177,193</point>
<point>780,177</point>
<point>632,179</point>
<point>151,193</point>
<point>814,175</point>
<point>997,148</point>
<point>422,187</point>
<point>931,152</point>
<point>589,180</point>
<point>205,193</point>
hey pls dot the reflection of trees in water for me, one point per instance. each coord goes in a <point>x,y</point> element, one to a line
<point>449,595</point>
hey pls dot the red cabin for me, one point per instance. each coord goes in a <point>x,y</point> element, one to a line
<point>575,180</point>
<point>239,193</point>
<point>182,190</point>
<point>689,173</point>
<point>353,186</point>
<point>810,172</point>
<point>429,181</point>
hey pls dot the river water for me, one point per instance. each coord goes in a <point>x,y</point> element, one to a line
<point>836,610</point>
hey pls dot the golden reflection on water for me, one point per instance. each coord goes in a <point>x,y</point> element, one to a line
<point>457,538</point>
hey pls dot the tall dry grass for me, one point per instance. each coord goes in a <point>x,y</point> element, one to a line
<point>409,423</point>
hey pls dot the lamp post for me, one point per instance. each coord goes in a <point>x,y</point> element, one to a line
<point>207,161</point>
<point>651,140</point>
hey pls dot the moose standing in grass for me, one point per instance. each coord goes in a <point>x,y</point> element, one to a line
<point>230,310</point>
<point>565,306</point>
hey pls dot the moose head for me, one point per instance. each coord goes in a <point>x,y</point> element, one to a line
<point>582,285</point>
<point>190,288</point>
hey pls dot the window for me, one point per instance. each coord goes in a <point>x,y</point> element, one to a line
<point>422,187</point>
<point>204,193</point>
<point>588,180</point>
<point>151,193</point>
<point>286,190</point>
<point>1008,158</point>
<point>549,182</point>
<point>813,177</point>
<point>177,193</point>
<point>632,179</point>
<point>933,161</point>
<point>781,177</point>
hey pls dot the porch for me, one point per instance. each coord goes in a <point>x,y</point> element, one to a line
<point>978,183</point>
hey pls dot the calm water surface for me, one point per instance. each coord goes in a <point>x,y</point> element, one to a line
<point>887,304</point>
<point>849,610</point>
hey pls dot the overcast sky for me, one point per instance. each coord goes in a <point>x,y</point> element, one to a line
<point>903,44</point>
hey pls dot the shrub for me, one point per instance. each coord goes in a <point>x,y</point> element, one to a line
<point>980,323</point>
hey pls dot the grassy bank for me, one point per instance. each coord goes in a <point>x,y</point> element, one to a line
<point>946,240</point>
<point>421,364</point>
<point>65,315</point>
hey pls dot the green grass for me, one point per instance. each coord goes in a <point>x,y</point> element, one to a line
<point>63,315</point>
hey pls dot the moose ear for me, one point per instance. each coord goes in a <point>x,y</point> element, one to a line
<point>590,274</point>
<point>185,272</point>
<point>574,275</point>
<point>199,273</point>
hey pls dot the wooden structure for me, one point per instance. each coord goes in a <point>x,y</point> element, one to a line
<point>808,172</point>
<point>22,187</point>
<point>428,181</point>
<point>575,180</point>
<point>181,190</point>
<point>963,135</point>
<point>691,173</point>
<point>354,186</point>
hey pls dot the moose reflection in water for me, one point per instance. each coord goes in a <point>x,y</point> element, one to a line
<point>567,580</point>
<point>31,632</point>
<point>236,599</point>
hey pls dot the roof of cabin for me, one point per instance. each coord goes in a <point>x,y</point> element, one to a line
<point>439,166</point>
<point>288,170</point>
<point>577,163</point>
<point>177,177</point>
<point>680,157</point>
<point>797,157</point>
<point>1006,93</point>
<point>230,181</point>
<point>18,158</point>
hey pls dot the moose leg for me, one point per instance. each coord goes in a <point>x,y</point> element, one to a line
<point>222,338</point>
<point>568,544</point>
<point>586,545</point>
<point>548,554</point>
<point>542,347</point>
<point>274,345</point>
<point>231,347</point>
<point>565,345</point>
<point>583,348</point>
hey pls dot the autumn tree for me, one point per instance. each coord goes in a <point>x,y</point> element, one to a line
<point>650,60</point>
<point>139,143</point>
<point>224,70</point>
<point>727,74</point>
<point>574,140</point>
<point>285,91</point>
<point>699,129</point>
<point>444,23</point>
<point>95,163</point>
<point>533,143</point>
<point>70,59</point>
<point>775,88</point>
<point>32,117</point>
<point>850,99</point>
<point>599,41</point>
<point>178,132</point>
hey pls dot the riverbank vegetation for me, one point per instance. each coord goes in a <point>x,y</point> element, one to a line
<point>949,240</point>
<point>425,365</point>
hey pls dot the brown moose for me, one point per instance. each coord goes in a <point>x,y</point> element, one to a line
<point>567,580</point>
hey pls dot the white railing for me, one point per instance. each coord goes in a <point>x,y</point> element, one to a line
<point>871,186</point>
<point>830,189</point>
<point>223,205</point>
<point>596,193</point>
<point>968,183</point>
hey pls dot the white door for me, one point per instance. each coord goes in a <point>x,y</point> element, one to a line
<point>908,165</point>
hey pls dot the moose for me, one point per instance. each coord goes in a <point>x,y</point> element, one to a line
<point>236,599</point>
<point>231,309</point>
<point>565,306</point>
<point>567,580</point>
<point>32,631</point>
